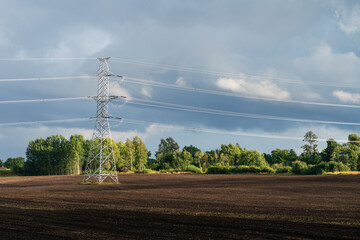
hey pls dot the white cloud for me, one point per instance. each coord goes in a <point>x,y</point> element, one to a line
<point>263,89</point>
<point>348,20</point>
<point>117,90</point>
<point>146,92</point>
<point>82,43</point>
<point>181,82</point>
<point>326,65</point>
<point>347,97</point>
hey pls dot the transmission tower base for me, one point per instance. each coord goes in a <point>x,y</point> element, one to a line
<point>100,178</point>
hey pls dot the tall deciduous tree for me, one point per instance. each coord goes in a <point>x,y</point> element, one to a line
<point>76,154</point>
<point>252,157</point>
<point>311,138</point>
<point>167,145</point>
<point>354,140</point>
<point>130,153</point>
<point>230,154</point>
<point>192,150</point>
<point>122,161</point>
<point>329,153</point>
<point>141,154</point>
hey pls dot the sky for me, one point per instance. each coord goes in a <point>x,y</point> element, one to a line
<point>268,57</point>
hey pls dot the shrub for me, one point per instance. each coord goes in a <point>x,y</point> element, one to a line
<point>337,167</point>
<point>238,170</point>
<point>298,166</point>
<point>15,164</point>
<point>254,169</point>
<point>267,170</point>
<point>193,169</point>
<point>314,169</point>
<point>277,165</point>
<point>221,170</point>
<point>286,169</point>
<point>124,169</point>
<point>145,170</point>
<point>243,169</point>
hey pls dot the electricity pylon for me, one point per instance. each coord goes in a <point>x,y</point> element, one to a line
<point>101,161</point>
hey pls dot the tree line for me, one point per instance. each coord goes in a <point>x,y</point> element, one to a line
<point>57,155</point>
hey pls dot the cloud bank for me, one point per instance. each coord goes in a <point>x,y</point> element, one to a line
<point>347,97</point>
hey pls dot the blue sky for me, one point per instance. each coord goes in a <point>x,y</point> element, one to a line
<point>303,41</point>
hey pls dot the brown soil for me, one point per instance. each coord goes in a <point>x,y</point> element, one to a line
<point>181,207</point>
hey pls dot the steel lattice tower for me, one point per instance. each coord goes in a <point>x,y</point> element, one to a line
<point>101,161</point>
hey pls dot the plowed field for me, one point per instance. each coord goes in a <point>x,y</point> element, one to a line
<point>181,207</point>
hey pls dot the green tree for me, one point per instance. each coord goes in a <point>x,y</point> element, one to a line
<point>252,158</point>
<point>167,146</point>
<point>121,161</point>
<point>350,156</point>
<point>167,155</point>
<point>196,159</point>
<point>76,155</point>
<point>182,160</point>
<point>311,138</point>
<point>213,157</point>
<point>15,164</point>
<point>348,153</point>
<point>284,157</point>
<point>141,154</point>
<point>204,164</point>
<point>315,158</point>
<point>130,154</point>
<point>224,160</point>
<point>1,163</point>
<point>328,154</point>
<point>354,140</point>
<point>55,155</point>
<point>230,154</point>
<point>192,150</point>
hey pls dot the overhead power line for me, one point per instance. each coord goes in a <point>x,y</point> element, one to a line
<point>157,104</point>
<point>151,103</point>
<point>43,100</point>
<point>194,70</point>
<point>183,88</point>
<point>229,94</point>
<point>45,78</point>
<point>194,129</point>
<point>46,59</point>
<point>43,122</point>
<point>234,75</point>
<point>215,131</point>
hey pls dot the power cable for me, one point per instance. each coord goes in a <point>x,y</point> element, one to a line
<point>222,93</point>
<point>157,104</point>
<point>46,59</point>
<point>226,74</point>
<point>132,121</point>
<point>151,103</point>
<point>43,100</point>
<point>44,122</point>
<point>45,78</point>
